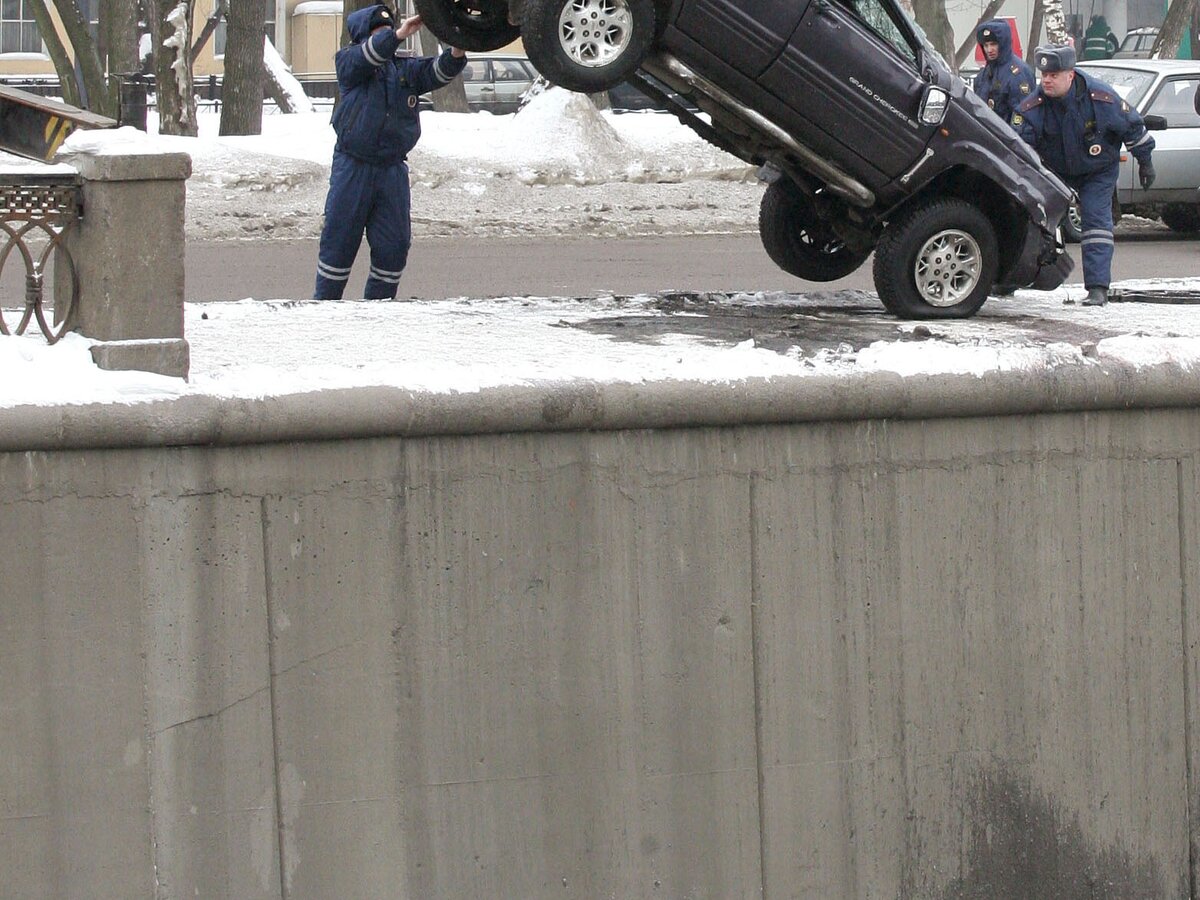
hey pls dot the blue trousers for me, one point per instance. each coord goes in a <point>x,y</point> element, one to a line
<point>375,199</point>
<point>1095,211</point>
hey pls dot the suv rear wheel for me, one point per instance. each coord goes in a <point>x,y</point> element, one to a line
<point>587,45</point>
<point>937,260</point>
<point>472,25</point>
<point>1182,217</point>
<point>797,240</point>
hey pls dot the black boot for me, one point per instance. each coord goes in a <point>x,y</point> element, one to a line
<point>1096,296</point>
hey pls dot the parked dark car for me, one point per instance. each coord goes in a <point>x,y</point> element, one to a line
<point>866,138</point>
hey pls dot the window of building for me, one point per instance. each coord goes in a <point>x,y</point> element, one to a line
<point>220,34</point>
<point>18,29</point>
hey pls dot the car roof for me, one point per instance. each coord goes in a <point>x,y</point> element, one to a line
<point>1157,66</point>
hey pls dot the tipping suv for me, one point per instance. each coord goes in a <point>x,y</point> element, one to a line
<point>866,138</point>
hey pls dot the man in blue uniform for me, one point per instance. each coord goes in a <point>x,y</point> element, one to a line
<point>1077,124</point>
<point>377,125</point>
<point>1005,81</point>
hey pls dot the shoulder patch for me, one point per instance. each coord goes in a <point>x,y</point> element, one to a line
<point>1030,102</point>
<point>1017,118</point>
<point>1103,96</point>
<point>1024,87</point>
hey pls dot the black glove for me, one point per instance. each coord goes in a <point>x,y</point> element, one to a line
<point>1146,174</point>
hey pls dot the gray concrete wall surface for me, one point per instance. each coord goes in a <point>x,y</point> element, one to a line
<point>861,658</point>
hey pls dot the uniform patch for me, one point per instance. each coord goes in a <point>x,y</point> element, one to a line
<point>1124,106</point>
<point>412,101</point>
<point>1017,119</point>
<point>1024,88</point>
<point>1015,70</point>
<point>1095,150</point>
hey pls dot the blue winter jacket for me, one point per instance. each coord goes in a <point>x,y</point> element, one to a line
<point>1082,133</point>
<point>376,120</point>
<point>1007,81</point>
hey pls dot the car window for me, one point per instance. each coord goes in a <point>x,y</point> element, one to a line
<point>1175,101</point>
<point>875,14</point>
<point>509,70</point>
<point>1130,84</point>
<point>475,70</point>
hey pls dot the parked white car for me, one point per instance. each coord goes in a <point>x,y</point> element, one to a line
<point>1164,88</point>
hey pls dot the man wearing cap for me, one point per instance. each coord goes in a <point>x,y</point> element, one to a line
<point>1077,124</point>
<point>377,125</point>
<point>1005,81</point>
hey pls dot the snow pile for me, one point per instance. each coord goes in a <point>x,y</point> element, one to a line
<point>560,137</point>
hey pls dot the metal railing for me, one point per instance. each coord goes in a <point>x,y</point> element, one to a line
<point>34,208</point>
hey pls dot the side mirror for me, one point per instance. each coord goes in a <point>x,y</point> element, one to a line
<point>1155,123</point>
<point>934,104</point>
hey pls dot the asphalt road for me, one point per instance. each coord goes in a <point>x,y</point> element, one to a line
<point>471,267</point>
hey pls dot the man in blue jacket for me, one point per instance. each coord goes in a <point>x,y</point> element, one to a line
<point>1077,124</point>
<point>377,125</point>
<point>1005,81</point>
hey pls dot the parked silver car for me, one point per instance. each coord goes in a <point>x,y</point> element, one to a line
<point>1164,88</point>
<point>495,82</point>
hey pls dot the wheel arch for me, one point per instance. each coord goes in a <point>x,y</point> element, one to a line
<point>1010,221</point>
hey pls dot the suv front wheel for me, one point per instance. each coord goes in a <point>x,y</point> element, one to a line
<point>797,240</point>
<point>937,260</point>
<point>587,45</point>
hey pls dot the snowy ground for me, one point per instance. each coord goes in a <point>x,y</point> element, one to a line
<point>557,167</point>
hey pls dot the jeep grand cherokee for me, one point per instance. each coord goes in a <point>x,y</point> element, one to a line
<point>865,137</point>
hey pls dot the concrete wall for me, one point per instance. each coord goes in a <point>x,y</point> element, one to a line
<point>839,658</point>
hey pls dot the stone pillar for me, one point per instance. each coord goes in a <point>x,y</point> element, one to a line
<point>128,255</point>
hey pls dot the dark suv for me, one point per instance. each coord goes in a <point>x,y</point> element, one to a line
<point>866,138</point>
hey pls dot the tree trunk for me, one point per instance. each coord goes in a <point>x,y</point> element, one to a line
<point>931,15</point>
<point>1035,29</point>
<point>242,87</point>
<point>964,49</point>
<point>452,97</point>
<point>58,53</point>
<point>1174,27</point>
<point>99,97</point>
<point>1056,23</point>
<point>119,25</point>
<point>170,32</point>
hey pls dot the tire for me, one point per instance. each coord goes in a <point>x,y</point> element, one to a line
<point>1072,225</point>
<point>797,240</point>
<point>1182,217</point>
<point>937,260</point>
<point>476,26</point>
<point>588,46</point>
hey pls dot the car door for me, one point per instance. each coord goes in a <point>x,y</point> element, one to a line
<point>510,79</point>
<point>477,82</point>
<point>852,71</point>
<point>1176,154</point>
<point>749,36</point>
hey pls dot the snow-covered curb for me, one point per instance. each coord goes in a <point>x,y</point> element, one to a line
<point>372,412</point>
